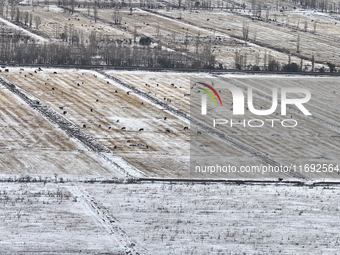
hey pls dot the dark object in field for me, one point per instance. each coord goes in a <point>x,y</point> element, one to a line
<point>141,129</point>
<point>185,128</point>
<point>123,128</point>
<point>84,126</point>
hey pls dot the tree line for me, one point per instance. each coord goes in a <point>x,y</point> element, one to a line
<point>18,50</point>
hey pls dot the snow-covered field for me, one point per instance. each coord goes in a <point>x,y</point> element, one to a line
<point>55,22</point>
<point>168,219</point>
<point>173,33</point>
<point>74,143</point>
<point>155,140</point>
<point>30,145</point>
<point>223,31</point>
<point>9,24</point>
<point>49,219</point>
<point>278,37</point>
<point>130,127</point>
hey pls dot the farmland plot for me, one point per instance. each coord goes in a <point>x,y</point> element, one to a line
<point>167,218</point>
<point>222,219</point>
<point>56,22</point>
<point>157,143</point>
<point>275,36</point>
<point>148,138</point>
<point>7,25</point>
<point>45,219</point>
<point>323,24</point>
<point>178,35</point>
<point>152,140</point>
<point>172,88</point>
<point>30,145</point>
<point>314,140</point>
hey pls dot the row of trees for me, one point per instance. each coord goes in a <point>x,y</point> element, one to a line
<point>272,65</point>
<point>19,51</point>
<point>24,17</point>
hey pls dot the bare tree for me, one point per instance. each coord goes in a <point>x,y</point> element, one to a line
<point>26,18</point>
<point>17,18</point>
<point>245,30</point>
<point>117,17</point>
<point>134,34</point>
<point>2,8</point>
<point>95,12</point>
<point>47,3</point>
<point>12,12</point>
<point>37,21</point>
<point>30,19</point>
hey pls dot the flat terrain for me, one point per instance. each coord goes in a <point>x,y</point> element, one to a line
<point>130,127</point>
<point>167,219</point>
<point>49,219</point>
<point>316,138</point>
<point>156,141</point>
<point>30,145</point>
<point>97,161</point>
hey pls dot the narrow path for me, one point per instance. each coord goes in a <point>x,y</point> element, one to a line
<point>107,221</point>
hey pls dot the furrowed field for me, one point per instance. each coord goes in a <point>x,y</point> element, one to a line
<point>102,127</point>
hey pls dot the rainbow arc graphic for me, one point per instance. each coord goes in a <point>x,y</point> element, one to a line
<point>209,93</point>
